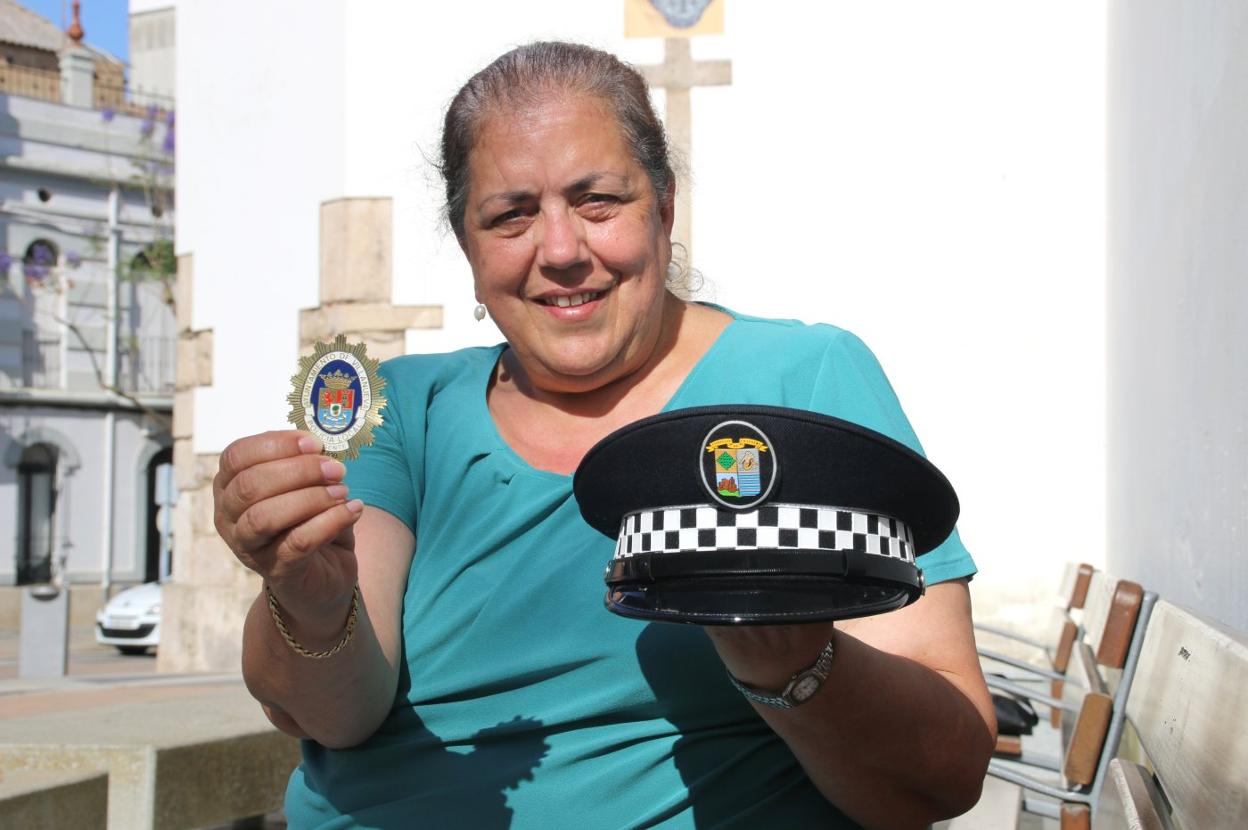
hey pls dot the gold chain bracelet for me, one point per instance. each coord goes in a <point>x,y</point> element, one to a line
<point>294,644</point>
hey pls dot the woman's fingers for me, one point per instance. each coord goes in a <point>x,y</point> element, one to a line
<point>257,449</point>
<point>259,524</point>
<point>309,537</point>
<point>268,479</point>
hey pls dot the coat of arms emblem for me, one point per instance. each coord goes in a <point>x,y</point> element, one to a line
<point>738,465</point>
<point>337,397</point>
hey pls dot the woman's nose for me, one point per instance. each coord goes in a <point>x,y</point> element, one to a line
<point>560,241</point>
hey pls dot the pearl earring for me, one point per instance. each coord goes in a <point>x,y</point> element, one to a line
<point>479,312</point>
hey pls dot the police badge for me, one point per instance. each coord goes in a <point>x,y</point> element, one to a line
<point>337,397</point>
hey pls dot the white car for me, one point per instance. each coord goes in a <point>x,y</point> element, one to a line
<point>131,620</point>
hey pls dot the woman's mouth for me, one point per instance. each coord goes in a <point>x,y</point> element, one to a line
<point>572,300</point>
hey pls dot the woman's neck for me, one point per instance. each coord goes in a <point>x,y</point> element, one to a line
<point>553,428</point>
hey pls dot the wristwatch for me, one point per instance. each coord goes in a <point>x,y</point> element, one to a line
<point>800,688</point>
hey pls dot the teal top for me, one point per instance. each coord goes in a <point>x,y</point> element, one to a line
<point>522,702</point>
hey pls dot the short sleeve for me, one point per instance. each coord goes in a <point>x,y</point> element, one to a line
<point>852,385</point>
<point>387,473</point>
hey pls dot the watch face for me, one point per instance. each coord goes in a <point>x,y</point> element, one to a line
<point>805,686</point>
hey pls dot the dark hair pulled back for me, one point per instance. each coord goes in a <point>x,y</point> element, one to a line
<point>523,77</point>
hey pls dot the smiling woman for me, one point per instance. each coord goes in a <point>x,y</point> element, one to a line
<point>478,622</point>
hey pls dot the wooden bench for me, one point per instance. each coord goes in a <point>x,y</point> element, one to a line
<point>175,756</point>
<point>1093,714</point>
<point>1071,594</point>
<point>1185,763</point>
<point>1056,642</point>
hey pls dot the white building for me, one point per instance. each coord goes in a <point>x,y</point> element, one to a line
<point>153,53</point>
<point>86,328</point>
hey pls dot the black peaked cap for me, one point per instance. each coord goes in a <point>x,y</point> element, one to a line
<point>657,462</point>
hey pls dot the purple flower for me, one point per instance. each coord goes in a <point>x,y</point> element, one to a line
<point>34,273</point>
<point>169,142</point>
<point>152,110</point>
<point>5,262</point>
<point>169,119</point>
<point>73,259</point>
<point>146,128</point>
<point>41,254</point>
<point>108,113</point>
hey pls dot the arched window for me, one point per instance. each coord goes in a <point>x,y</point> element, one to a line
<point>162,496</point>
<point>40,258</point>
<point>36,507</point>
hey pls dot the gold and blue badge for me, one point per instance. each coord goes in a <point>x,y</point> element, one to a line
<point>738,464</point>
<point>337,397</point>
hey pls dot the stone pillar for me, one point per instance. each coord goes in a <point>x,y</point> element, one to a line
<point>356,273</point>
<point>77,71</point>
<point>206,598</point>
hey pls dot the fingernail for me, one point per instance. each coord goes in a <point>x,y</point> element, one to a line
<point>355,506</point>
<point>337,491</point>
<point>333,470</point>
<point>308,444</point>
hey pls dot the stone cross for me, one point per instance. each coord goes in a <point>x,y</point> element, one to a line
<point>678,74</point>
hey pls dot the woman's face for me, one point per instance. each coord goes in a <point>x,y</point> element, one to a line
<point>568,242</point>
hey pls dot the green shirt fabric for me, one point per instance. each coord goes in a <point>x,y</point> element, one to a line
<point>522,702</point>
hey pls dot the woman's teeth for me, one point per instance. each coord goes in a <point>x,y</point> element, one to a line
<point>573,300</point>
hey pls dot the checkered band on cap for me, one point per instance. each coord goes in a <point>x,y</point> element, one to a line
<point>773,527</point>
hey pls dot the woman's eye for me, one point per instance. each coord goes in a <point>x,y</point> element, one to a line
<point>504,218</point>
<point>598,200</point>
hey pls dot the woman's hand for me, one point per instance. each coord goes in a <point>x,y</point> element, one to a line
<point>767,656</point>
<point>283,510</point>
<point>902,689</point>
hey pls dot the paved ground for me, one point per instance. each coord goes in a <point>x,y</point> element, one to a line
<point>99,676</point>
<point>86,657</point>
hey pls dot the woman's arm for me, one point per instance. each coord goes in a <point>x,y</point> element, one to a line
<point>900,733</point>
<point>341,700</point>
<point>283,510</point>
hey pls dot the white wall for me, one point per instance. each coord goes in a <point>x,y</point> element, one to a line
<point>928,175</point>
<point>1178,302</point>
<point>260,125</point>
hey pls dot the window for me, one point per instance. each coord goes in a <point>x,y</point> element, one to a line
<point>40,259</point>
<point>36,508</point>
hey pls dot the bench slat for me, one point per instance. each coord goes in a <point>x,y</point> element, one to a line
<point>1131,800</point>
<point>1075,582</point>
<point>1076,817</point>
<point>1083,753</point>
<point>1124,609</point>
<point>1189,704</point>
<point>1096,607</point>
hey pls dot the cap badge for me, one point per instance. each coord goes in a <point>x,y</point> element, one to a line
<point>338,396</point>
<point>737,464</point>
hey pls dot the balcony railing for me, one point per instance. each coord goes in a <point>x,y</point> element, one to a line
<point>45,84</point>
<point>146,366</point>
<point>29,82</point>
<point>122,99</point>
<point>41,362</point>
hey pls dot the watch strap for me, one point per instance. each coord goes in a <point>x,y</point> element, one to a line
<point>816,673</point>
